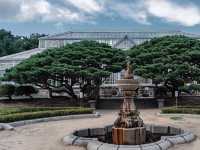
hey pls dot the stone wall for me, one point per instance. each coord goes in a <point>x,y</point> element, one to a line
<point>115,103</point>
<point>189,100</point>
<point>149,102</point>
<point>103,103</point>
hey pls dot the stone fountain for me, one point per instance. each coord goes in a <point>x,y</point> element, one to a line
<point>129,127</point>
<point>128,131</point>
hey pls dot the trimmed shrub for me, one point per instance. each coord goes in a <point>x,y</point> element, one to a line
<point>7,90</point>
<point>13,110</point>
<point>182,110</point>
<point>42,114</point>
<point>26,90</point>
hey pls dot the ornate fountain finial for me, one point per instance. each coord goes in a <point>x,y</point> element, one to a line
<point>129,69</point>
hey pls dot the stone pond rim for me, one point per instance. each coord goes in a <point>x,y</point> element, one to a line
<point>91,137</point>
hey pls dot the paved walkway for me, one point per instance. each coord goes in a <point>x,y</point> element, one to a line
<point>47,136</point>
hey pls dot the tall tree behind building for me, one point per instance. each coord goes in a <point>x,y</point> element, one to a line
<point>10,44</point>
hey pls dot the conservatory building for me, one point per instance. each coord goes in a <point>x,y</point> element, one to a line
<point>121,40</point>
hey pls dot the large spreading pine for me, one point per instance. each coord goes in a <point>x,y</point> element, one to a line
<point>86,64</point>
<point>173,60</point>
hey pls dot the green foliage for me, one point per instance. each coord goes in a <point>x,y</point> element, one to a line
<point>7,90</point>
<point>18,114</point>
<point>182,110</point>
<point>14,110</point>
<point>10,44</point>
<point>26,90</point>
<point>176,118</point>
<point>168,57</point>
<point>191,87</point>
<point>171,59</point>
<point>85,63</point>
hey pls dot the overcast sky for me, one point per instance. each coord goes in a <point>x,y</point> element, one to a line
<point>54,16</point>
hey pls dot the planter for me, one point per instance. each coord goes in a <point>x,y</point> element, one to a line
<point>92,104</point>
<point>161,103</point>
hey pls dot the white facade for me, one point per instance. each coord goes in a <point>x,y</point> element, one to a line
<point>10,61</point>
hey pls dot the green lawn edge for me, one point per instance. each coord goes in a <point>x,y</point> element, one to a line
<point>181,110</point>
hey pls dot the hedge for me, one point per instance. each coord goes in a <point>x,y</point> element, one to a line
<point>27,90</point>
<point>7,90</point>
<point>182,110</point>
<point>12,117</point>
<point>12,110</point>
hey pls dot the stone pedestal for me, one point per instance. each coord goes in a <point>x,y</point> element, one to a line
<point>129,136</point>
<point>161,103</point>
<point>128,127</point>
<point>92,104</point>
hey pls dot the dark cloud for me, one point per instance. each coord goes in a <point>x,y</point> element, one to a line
<point>9,8</point>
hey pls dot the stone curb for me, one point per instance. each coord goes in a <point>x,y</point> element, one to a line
<point>12,125</point>
<point>4,126</point>
<point>165,143</point>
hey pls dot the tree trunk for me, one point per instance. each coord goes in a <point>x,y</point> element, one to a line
<point>70,92</point>
<point>173,92</point>
<point>73,95</point>
<point>10,97</point>
<point>50,92</point>
<point>96,92</point>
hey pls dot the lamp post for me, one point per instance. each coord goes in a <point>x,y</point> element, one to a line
<point>81,97</point>
<point>176,95</point>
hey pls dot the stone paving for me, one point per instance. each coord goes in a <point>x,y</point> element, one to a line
<point>47,136</point>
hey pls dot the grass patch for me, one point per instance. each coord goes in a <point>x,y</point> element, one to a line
<point>18,114</point>
<point>181,110</point>
<point>176,118</point>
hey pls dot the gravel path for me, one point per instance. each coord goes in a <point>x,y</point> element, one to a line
<point>47,136</point>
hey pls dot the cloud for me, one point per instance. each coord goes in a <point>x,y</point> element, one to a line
<point>45,11</point>
<point>72,11</point>
<point>141,11</point>
<point>134,11</point>
<point>36,10</point>
<point>8,8</point>
<point>89,6</point>
<point>184,14</point>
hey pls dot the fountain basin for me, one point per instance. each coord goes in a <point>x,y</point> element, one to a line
<point>158,138</point>
<point>127,81</point>
<point>127,84</point>
<point>128,136</point>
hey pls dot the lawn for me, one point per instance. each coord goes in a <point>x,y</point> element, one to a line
<point>11,114</point>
